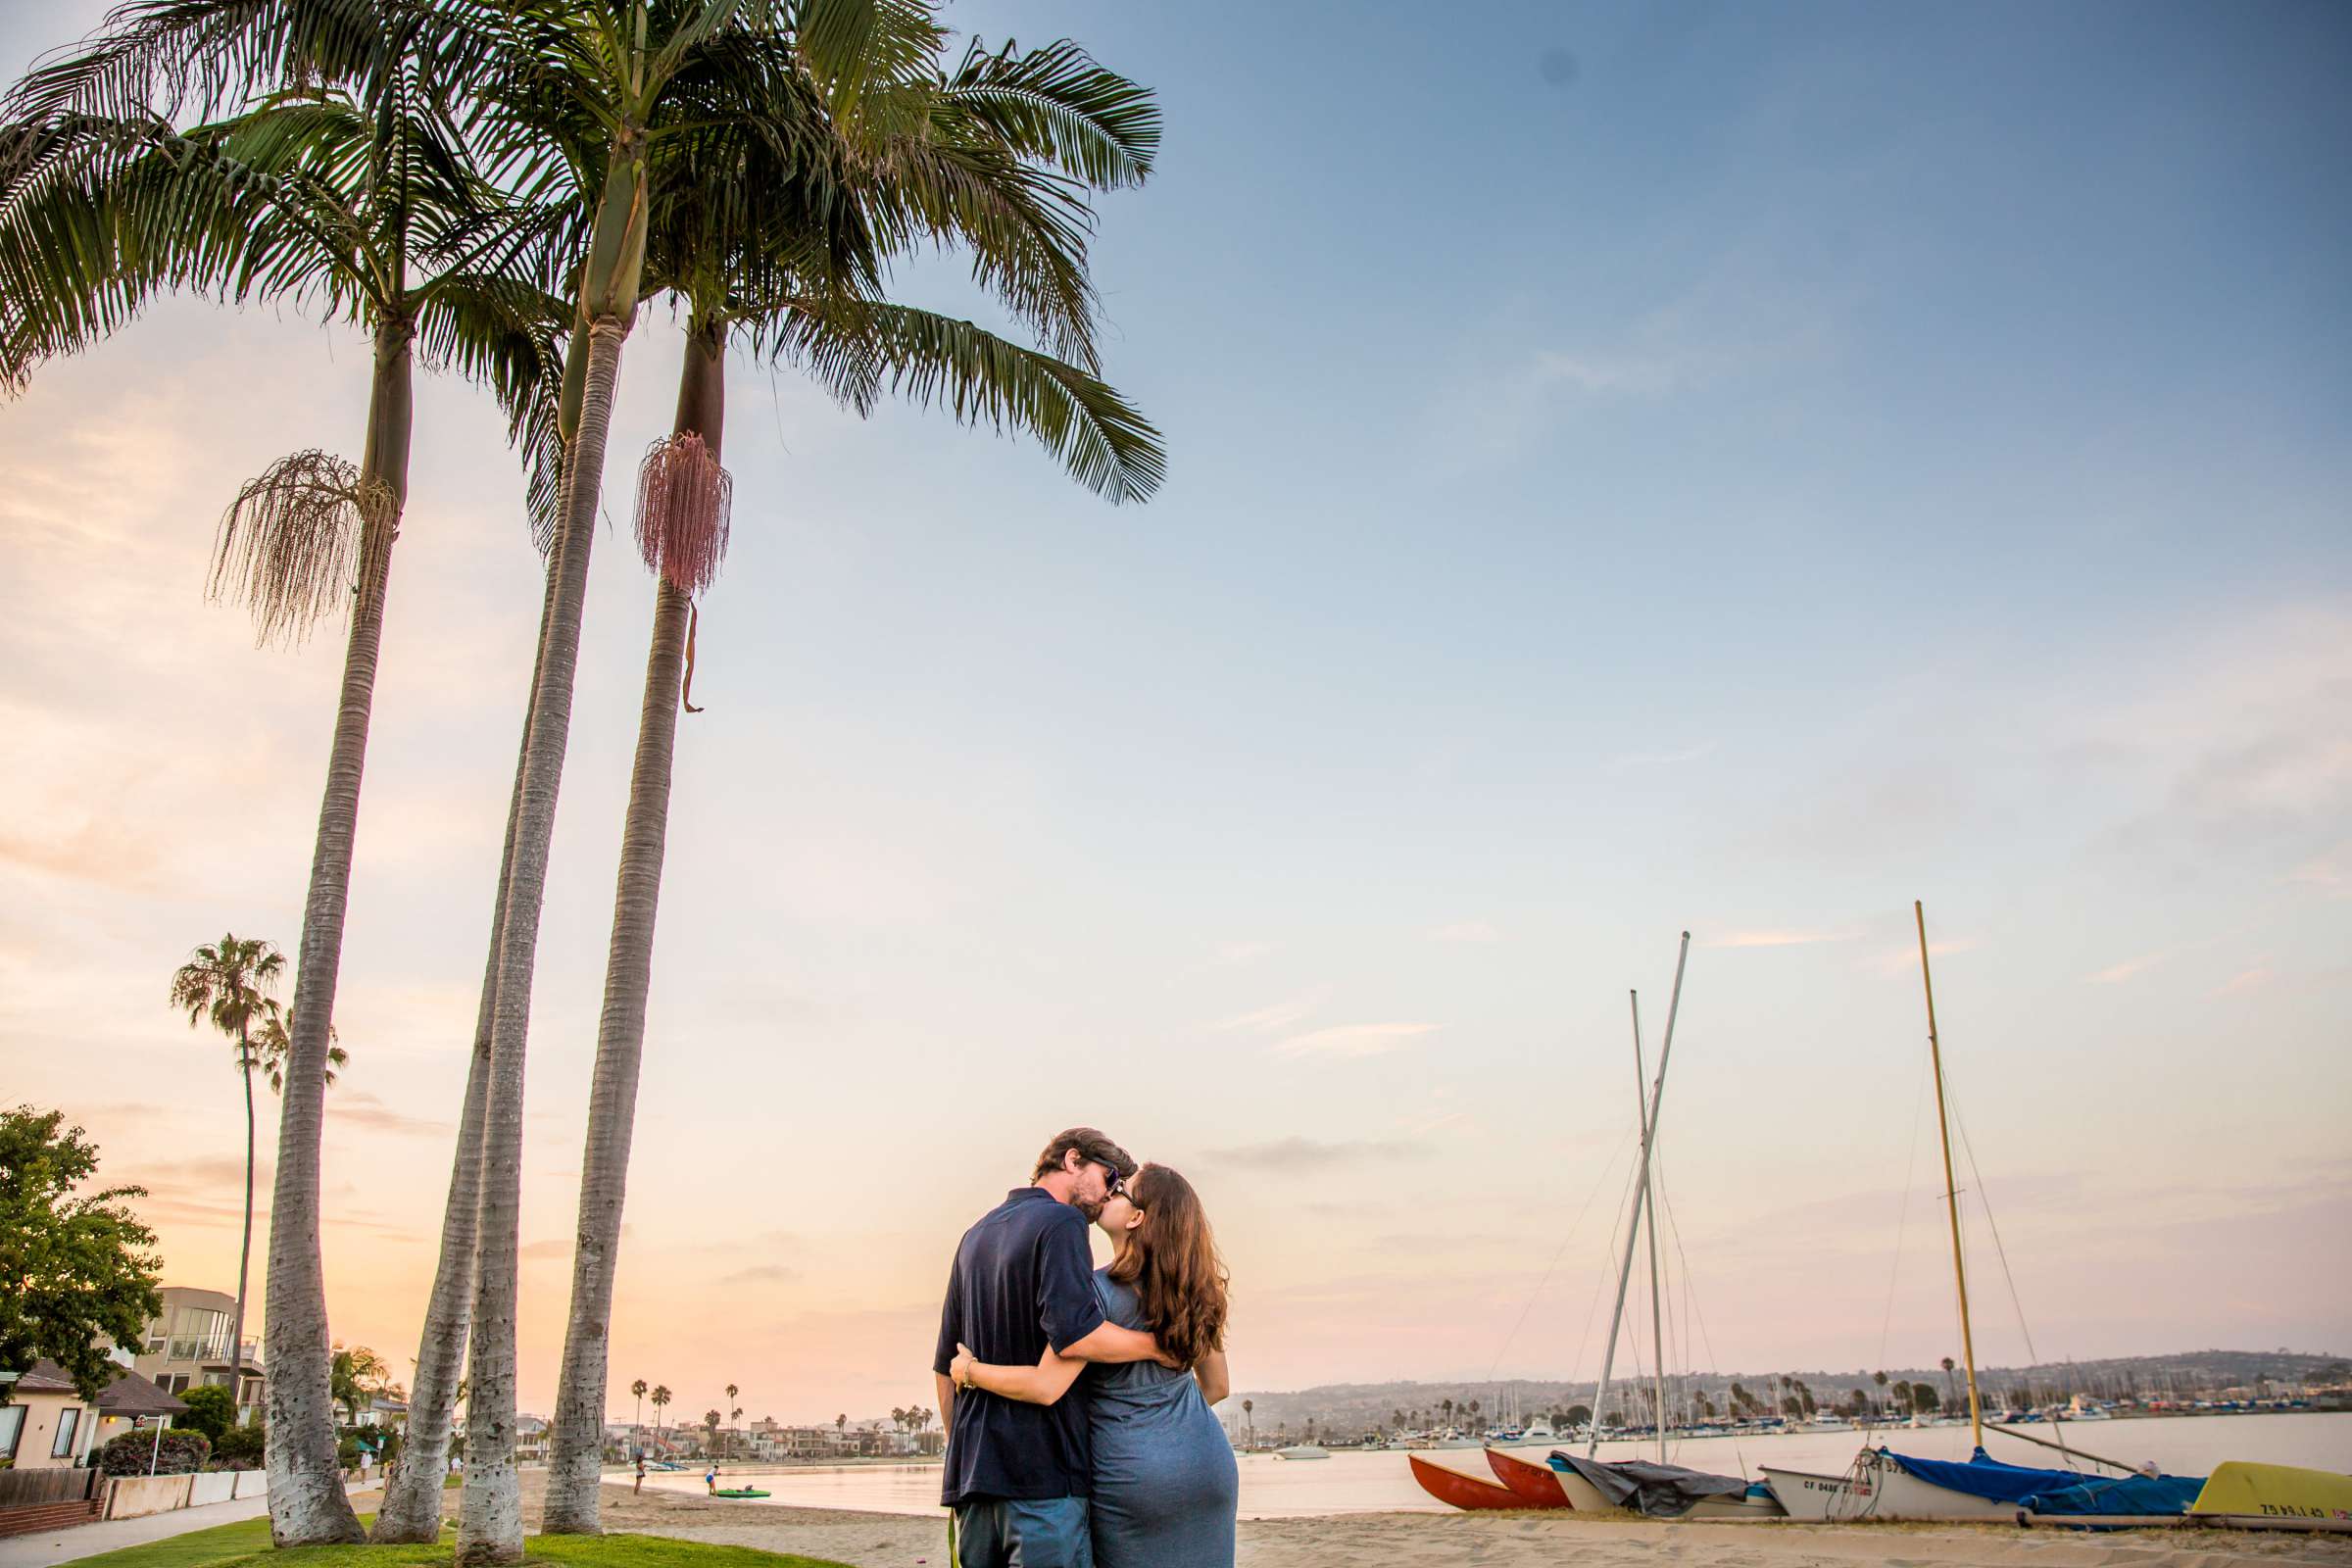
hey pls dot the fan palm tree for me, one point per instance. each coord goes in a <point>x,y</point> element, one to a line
<point>659,1397</point>
<point>637,1392</point>
<point>746,271</point>
<point>274,1043</point>
<point>348,193</point>
<point>227,983</point>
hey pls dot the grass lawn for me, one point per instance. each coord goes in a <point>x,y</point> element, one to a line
<point>246,1544</point>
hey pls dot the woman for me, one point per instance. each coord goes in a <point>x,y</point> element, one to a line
<point>1165,1486</point>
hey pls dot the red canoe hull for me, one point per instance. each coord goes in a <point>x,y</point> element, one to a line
<point>1461,1491</point>
<point>1534,1484</point>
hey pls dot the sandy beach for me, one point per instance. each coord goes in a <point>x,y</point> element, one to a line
<point>1494,1541</point>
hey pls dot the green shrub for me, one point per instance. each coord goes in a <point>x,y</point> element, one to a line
<point>175,1451</point>
<point>241,1447</point>
<point>209,1412</point>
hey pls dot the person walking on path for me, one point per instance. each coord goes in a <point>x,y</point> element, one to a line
<point>1018,1475</point>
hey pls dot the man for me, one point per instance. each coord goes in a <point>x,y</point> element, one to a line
<point>1018,1475</point>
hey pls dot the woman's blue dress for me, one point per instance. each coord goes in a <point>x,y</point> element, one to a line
<point>1166,1490</point>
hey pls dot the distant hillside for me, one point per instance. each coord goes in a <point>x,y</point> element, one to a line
<point>2189,1373</point>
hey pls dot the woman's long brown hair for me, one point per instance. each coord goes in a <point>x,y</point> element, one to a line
<point>1171,1259</point>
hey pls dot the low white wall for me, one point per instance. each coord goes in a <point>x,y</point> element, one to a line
<point>252,1483</point>
<point>211,1486</point>
<point>132,1497</point>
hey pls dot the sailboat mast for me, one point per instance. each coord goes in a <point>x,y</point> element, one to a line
<point>1951,1188</point>
<point>1657,1328</point>
<point>1650,1127</point>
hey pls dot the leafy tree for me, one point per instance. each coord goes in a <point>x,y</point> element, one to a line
<point>1580,1415</point>
<point>228,983</point>
<point>78,1268</point>
<point>211,1412</point>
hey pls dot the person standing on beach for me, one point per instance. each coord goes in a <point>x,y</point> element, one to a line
<point>1019,1474</point>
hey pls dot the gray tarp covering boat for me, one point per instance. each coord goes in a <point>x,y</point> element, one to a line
<point>1659,1490</point>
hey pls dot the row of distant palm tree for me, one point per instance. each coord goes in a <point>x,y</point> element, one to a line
<point>499,184</point>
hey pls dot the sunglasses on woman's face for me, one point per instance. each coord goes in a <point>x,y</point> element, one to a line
<point>1116,1186</point>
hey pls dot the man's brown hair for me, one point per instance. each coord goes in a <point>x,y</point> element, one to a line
<point>1091,1143</point>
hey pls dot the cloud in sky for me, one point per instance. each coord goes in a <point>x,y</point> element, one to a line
<point>1353,1040</point>
<point>2245,980</point>
<point>1278,1015</point>
<point>1244,952</point>
<point>357,1107</point>
<point>1776,937</point>
<point>1466,931</point>
<point>2117,973</point>
<point>1310,1155</point>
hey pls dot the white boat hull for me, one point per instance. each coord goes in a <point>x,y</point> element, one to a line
<point>1585,1498</point>
<point>1876,1488</point>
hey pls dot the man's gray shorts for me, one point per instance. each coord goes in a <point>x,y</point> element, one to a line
<point>1008,1533</point>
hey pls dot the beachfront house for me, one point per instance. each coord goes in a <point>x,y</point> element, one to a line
<point>47,1423</point>
<point>186,1347</point>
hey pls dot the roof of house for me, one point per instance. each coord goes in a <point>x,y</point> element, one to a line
<point>133,1395</point>
<point>128,1394</point>
<point>44,1376</point>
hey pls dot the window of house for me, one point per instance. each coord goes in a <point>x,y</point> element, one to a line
<point>12,1428</point>
<point>68,1422</point>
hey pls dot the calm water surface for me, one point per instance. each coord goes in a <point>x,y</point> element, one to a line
<point>1368,1483</point>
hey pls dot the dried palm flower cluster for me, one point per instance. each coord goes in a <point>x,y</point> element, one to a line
<point>683,501</point>
<point>292,542</point>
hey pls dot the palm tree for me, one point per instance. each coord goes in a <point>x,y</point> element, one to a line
<point>734,1415</point>
<point>659,1397</point>
<point>591,89</point>
<point>342,191</point>
<point>1951,1390</point>
<point>227,983</point>
<point>637,1392</point>
<point>274,1042</point>
<point>769,271</point>
<point>1880,1378</point>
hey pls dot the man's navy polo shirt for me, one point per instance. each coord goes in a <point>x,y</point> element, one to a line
<point>1023,1280</point>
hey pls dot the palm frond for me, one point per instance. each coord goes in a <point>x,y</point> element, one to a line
<point>1056,104</point>
<point>857,352</point>
<point>291,543</point>
<point>505,333</point>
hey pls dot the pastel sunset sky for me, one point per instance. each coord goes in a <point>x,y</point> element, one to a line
<point>1633,469</point>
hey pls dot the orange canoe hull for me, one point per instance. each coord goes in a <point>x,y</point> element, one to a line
<point>1535,1485</point>
<point>1461,1491</point>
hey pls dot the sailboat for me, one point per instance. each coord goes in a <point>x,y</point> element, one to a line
<point>1586,1483</point>
<point>1884,1485</point>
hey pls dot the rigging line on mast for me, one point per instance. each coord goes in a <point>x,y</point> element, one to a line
<point>2016,1304</point>
<point>1584,1341</point>
<point>1895,1275</point>
<point>1690,1294</point>
<point>1549,1268</point>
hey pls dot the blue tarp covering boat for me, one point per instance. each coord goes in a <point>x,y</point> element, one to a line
<point>2055,1492</point>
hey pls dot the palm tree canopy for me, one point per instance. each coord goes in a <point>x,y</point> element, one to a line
<point>367,212</point>
<point>227,983</point>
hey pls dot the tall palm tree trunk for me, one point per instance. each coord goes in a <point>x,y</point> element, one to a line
<point>490,1523</point>
<point>412,1510</point>
<point>576,1454</point>
<point>236,1328</point>
<point>307,1502</point>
